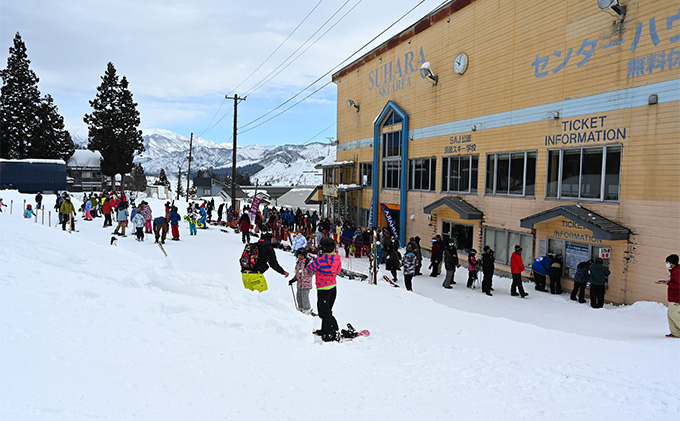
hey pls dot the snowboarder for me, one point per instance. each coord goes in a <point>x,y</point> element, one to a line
<point>303,277</point>
<point>327,266</point>
<point>253,279</point>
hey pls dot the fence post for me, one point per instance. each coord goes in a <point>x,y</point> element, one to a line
<point>49,218</point>
<point>11,205</point>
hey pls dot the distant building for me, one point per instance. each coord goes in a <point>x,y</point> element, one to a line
<point>84,168</point>
<point>33,175</point>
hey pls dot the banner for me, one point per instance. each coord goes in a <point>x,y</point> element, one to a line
<point>369,223</point>
<point>253,209</point>
<point>390,221</point>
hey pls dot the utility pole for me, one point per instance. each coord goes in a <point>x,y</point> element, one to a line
<point>191,142</point>
<point>233,161</point>
<point>179,179</point>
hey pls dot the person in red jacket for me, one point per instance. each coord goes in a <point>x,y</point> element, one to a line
<point>673,295</point>
<point>244,227</point>
<point>516,267</point>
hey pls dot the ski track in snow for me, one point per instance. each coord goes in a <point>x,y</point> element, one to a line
<point>93,331</point>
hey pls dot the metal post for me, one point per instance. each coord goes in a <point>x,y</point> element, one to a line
<point>191,142</point>
<point>233,160</point>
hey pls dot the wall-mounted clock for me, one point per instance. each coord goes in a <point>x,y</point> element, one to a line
<point>460,64</point>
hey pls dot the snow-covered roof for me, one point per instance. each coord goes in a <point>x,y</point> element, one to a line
<point>339,164</point>
<point>35,161</point>
<point>85,158</point>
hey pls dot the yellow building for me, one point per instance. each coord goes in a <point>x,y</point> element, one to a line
<point>497,123</point>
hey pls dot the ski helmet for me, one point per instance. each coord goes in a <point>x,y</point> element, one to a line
<point>327,245</point>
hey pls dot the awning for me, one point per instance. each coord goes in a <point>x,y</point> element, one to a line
<point>342,164</point>
<point>600,226</point>
<point>463,208</point>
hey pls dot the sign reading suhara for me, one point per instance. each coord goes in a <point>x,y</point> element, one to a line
<point>586,130</point>
<point>394,76</point>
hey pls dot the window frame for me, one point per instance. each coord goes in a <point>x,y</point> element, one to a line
<point>429,174</point>
<point>525,170</point>
<point>617,149</point>
<point>509,247</point>
<point>362,171</point>
<point>446,164</point>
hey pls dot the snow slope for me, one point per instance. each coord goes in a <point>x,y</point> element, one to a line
<point>93,331</point>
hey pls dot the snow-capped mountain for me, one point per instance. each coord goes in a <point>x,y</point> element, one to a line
<point>277,165</point>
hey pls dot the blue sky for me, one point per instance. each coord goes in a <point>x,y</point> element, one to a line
<point>182,57</point>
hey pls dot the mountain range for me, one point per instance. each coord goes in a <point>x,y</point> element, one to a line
<point>275,165</point>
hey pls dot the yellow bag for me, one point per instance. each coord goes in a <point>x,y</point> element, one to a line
<point>254,281</point>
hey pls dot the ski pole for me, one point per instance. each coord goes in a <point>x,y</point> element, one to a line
<point>294,299</point>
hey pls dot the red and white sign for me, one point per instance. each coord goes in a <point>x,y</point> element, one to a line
<point>605,253</point>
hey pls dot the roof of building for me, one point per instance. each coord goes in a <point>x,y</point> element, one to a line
<point>463,208</point>
<point>600,226</point>
<point>85,158</point>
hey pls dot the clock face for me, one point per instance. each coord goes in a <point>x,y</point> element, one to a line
<point>460,63</point>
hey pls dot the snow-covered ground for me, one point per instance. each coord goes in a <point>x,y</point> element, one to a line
<point>94,331</point>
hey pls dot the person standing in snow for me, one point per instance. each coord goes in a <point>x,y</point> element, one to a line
<point>253,279</point>
<point>38,200</point>
<point>392,262</point>
<point>541,269</point>
<point>437,255</point>
<point>303,277</point>
<point>472,268</point>
<point>1,204</point>
<point>68,212</point>
<point>556,275</point>
<point>673,284</point>
<point>516,267</point>
<point>451,262</point>
<point>488,261</point>
<point>106,210</point>
<point>174,223</point>
<point>299,242</point>
<point>244,227</point>
<point>138,221</point>
<point>148,217</point>
<point>88,210</point>
<point>598,283</point>
<point>121,218</point>
<point>327,266</point>
<point>580,280</point>
<point>409,263</point>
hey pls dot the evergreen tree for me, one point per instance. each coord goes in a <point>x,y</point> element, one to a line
<point>19,103</point>
<point>162,179</point>
<point>112,125</point>
<point>51,140</point>
<point>138,177</point>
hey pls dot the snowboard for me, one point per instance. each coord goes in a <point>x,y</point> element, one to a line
<point>352,275</point>
<point>389,281</point>
<point>193,221</point>
<point>347,335</point>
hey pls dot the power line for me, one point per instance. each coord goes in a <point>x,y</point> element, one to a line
<point>325,74</point>
<point>264,80</point>
<point>316,135</point>
<point>277,48</point>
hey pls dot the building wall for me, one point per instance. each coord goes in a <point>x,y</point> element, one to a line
<point>511,104</point>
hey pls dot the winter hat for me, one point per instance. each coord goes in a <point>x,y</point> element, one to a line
<point>672,259</point>
<point>473,252</point>
<point>409,248</point>
<point>28,206</point>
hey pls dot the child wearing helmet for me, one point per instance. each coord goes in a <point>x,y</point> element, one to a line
<point>29,211</point>
<point>303,277</point>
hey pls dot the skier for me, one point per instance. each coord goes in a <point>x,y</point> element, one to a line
<point>409,262</point>
<point>253,279</point>
<point>66,210</point>
<point>450,264</point>
<point>327,266</point>
<point>1,204</point>
<point>192,220</point>
<point>303,277</point>
<point>472,268</point>
<point>29,211</point>
<point>488,261</point>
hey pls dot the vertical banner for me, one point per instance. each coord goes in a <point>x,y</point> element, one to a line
<point>390,221</point>
<point>369,223</point>
<point>253,209</point>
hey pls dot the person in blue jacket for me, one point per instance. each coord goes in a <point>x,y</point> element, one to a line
<point>541,268</point>
<point>174,223</point>
<point>28,212</point>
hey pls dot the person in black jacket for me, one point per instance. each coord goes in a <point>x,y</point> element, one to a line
<point>450,264</point>
<point>556,275</point>
<point>488,261</point>
<point>253,279</point>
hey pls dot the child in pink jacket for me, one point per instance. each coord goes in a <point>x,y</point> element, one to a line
<point>303,277</point>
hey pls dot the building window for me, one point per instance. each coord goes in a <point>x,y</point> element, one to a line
<point>511,174</point>
<point>366,174</point>
<point>503,243</point>
<point>584,173</point>
<point>391,175</point>
<point>421,174</point>
<point>328,175</point>
<point>461,235</point>
<point>391,144</point>
<point>459,174</point>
